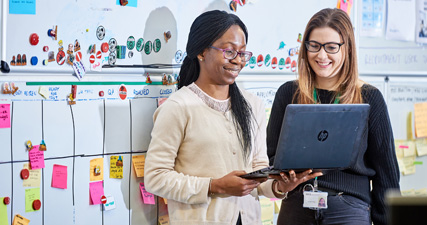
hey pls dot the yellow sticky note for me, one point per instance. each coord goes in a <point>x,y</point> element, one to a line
<point>409,135</point>
<point>399,151</point>
<point>410,192</point>
<point>421,192</point>
<point>267,210</point>
<point>44,91</point>
<point>165,200</point>
<point>409,165</point>
<point>20,220</point>
<point>277,205</point>
<point>409,149</point>
<point>31,195</point>
<point>420,119</point>
<point>34,178</point>
<point>401,165</point>
<point>421,146</point>
<point>164,220</point>
<point>97,169</point>
<point>3,213</point>
<point>138,163</point>
<point>116,167</point>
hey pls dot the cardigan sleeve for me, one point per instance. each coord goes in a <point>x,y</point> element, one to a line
<point>159,175</point>
<point>381,156</point>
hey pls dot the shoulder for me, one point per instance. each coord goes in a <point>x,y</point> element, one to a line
<point>371,94</point>
<point>178,101</point>
<point>251,98</point>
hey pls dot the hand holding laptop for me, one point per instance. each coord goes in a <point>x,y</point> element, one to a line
<point>233,184</point>
<point>289,181</point>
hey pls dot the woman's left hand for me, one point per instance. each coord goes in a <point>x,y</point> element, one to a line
<point>287,182</point>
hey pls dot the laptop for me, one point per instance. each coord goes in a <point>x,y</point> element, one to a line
<point>318,137</point>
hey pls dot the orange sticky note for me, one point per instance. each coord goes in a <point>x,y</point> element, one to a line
<point>96,192</point>
<point>146,196</point>
<point>20,220</point>
<point>97,169</point>
<point>164,220</point>
<point>59,176</point>
<point>138,163</point>
<point>4,115</point>
<point>420,119</point>
<point>36,158</point>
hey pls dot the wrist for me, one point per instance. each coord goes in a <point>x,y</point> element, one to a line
<point>277,190</point>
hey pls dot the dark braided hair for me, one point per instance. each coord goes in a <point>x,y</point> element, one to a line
<point>205,30</point>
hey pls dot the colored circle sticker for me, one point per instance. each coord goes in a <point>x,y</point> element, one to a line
<point>92,59</point>
<point>98,54</point>
<point>147,47</point>
<point>140,44</point>
<point>112,43</point>
<point>60,57</point>
<point>260,60</point>
<point>122,92</point>
<point>112,58</point>
<point>281,63</point>
<point>274,63</point>
<point>130,54</point>
<point>103,199</point>
<point>267,60</point>
<point>100,32</point>
<point>37,204</point>
<point>157,45</point>
<point>288,63</point>
<point>294,66</point>
<point>25,173</point>
<point>178,56</point>
<point>78,56</point>
<point>131,42</point>
<point>252,62</point>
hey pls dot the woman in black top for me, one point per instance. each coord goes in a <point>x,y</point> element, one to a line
<point>328,74</point>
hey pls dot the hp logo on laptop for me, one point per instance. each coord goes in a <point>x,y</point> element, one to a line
<point>323,135</point>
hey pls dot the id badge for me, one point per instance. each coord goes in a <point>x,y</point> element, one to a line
<point>315,200</point>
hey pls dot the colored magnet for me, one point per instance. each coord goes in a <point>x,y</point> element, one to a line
<point>157,45</point>
<point>104,47</point>
<point>140,44</point>
<point>6,200</point>
<point>45,48</point>
<point>42,146</point>
<point>92,59</point>
<point>100,32</point>
<point>112,58</point>
<point>34,39</point>
<point>103,199</point>
<point>34,60</point>
<point>45,62</point>
<point>123,2</point>
<point>74,91</point>
<point>112,43</point>
<point>60,57</point>
<point>130,54</point>
<point>98,54</point>
<point>51,56</point>
<point>148,80</point>
<point>131,43</point>
<point>260,60</point>
<point>233,6</point>
<point>101,94</point>
<point>148,47</point>
<point>119,161</point>
<point>53,32</point>
<point>24,60</point>
<point>25,173</point>
<point>29,145</point>
<point>78,56</point>
<point>76,45</point>
<point>167,36</point>
<point>37,204</point>
<point>97,170</point>
<point>122,92</point>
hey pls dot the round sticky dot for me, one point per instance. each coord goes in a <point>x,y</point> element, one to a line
<point>25,173</point>
<point>37,204</point>
<point>6,200</point>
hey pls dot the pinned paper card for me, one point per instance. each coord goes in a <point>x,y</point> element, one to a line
<point>4,115</point>
<point>3,213</point>
<point>110,203</point>
<point>36,158</point>
<point>164,220</point>
<point>97,169</point>
<point>20,220</point>
<point>138,163</point>
<point>146,196</point>
<point>44,92</point>
<point>408,162</point>
<point>267,210</point>
<point>33,179</point>
<point>421,146</point>
<point>116,167</point>
<point>408,148</point>
<point>31,195</point>
<point>96,192</point>
<point>420,119</point>
<point>59,176</point>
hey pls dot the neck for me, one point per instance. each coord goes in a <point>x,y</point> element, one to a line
<point>219,92</point>
<point>325,83</point>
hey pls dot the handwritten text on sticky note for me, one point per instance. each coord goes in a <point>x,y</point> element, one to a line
<point>36,158</point>
<point>146,196</point>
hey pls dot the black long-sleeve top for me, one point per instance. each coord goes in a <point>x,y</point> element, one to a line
<point>376,160</point>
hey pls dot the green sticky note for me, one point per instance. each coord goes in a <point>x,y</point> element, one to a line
<point>3,213</point>
<point>418,163</point>
<point>31,195</point>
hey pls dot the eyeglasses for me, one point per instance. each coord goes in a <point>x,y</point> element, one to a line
<point>232,54</point>
<point>330,47</point>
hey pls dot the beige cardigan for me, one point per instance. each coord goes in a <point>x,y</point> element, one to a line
<point>192,143</point>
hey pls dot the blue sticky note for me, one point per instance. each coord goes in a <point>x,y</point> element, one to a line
<point>22,7</point>
<point>132,3</point>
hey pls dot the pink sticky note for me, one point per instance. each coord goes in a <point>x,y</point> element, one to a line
<point>146,196</point>
<point>4,115</point>
<point>59,176</point>
<point>96,192</point>
<point>36,158</point>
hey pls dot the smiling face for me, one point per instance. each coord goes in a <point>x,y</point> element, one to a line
<point>326,66</point>
<point>214,68</point>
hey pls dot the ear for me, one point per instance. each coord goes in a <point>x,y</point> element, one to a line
<point>201,57</point>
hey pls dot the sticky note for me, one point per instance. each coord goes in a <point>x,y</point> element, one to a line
<point>44,91</point>
<point>410,192</point>
<point>97,169</point>
<point>146,196</point>
<point>116,167</point>
<point>22,7</point>
<point>31,194</point>
<point>36,157</point>
<point>20,220</point>
<point>408,162</point>
<point>277,205</point>
<point>421,192</point>
<point>4,115</point>
<point>164,220</point>
<point>420,119</point>
<point>59,176</point>
<point>267,211</point>
<point>138,163</point>
<point>3,213</point>
<point>96,192</point>
<point>409,149</point>
<point>110,203</point>
<point>421,145</point>
<point>34,178</point>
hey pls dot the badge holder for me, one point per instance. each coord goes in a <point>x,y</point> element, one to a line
<point>314,199</point>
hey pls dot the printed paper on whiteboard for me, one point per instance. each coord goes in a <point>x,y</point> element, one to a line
<point>373,18</point>
<point>421,24</point>
<point>400,20</point>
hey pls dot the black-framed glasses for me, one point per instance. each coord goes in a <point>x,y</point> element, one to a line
<point>330,47</point>
<point>232,54</point>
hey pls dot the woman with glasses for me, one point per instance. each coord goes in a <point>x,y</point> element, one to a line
<point>327,74</point>
<point>210,132</point>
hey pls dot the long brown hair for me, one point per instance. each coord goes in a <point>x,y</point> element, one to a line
<point>348,76</point>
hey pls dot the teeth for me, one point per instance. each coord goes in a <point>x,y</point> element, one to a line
<point>324,64</point>
<point>233,71</point>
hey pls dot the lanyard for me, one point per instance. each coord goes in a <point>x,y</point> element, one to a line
<point>336,101</point>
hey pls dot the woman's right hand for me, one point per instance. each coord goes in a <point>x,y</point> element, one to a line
<point>233,184</point>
